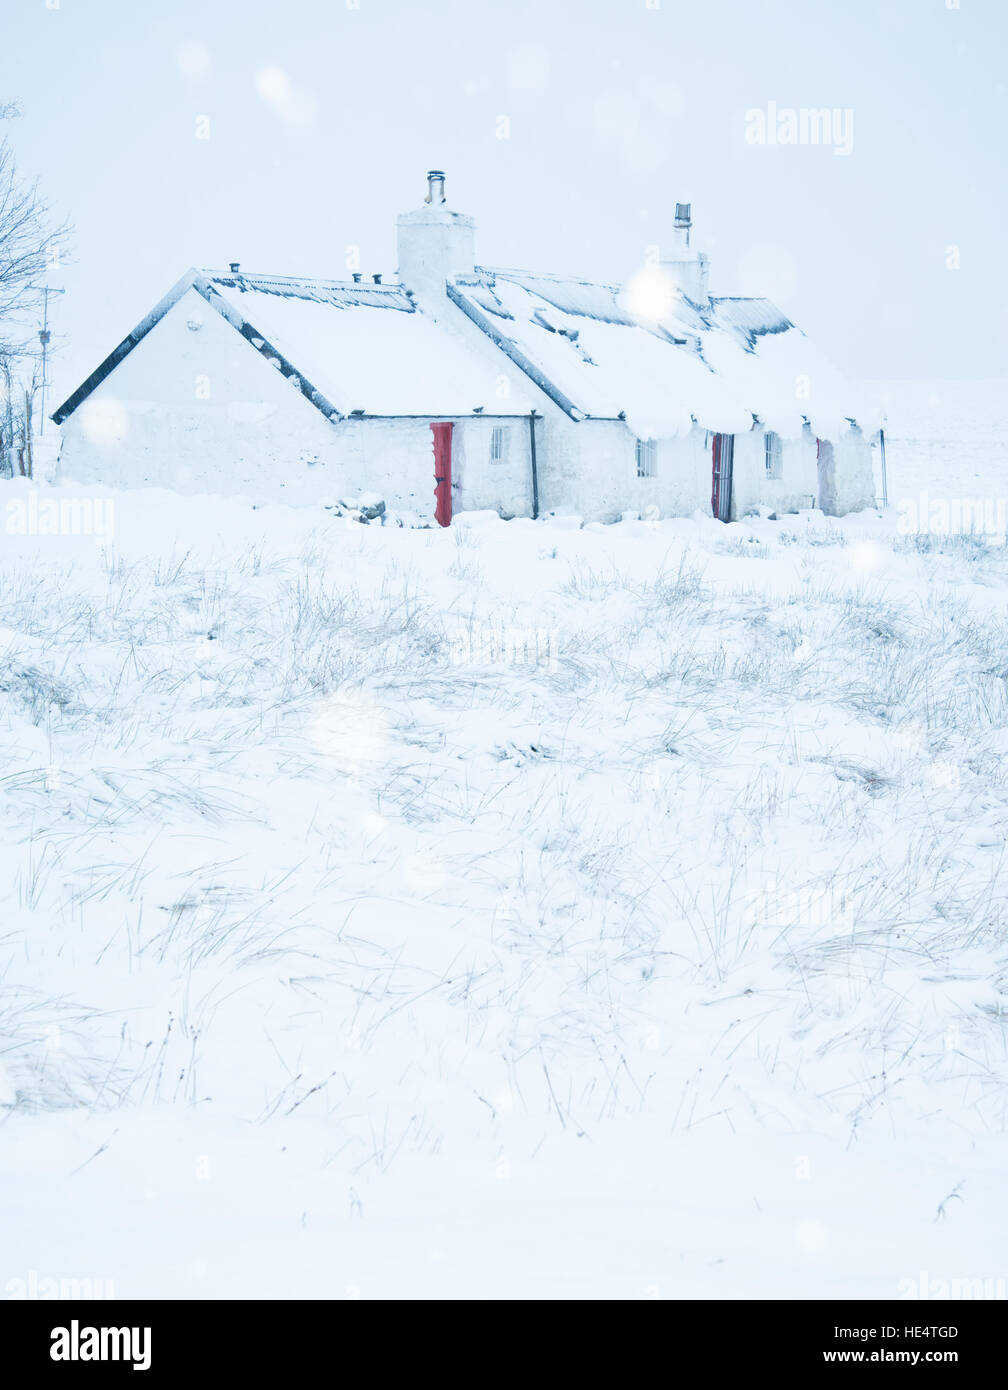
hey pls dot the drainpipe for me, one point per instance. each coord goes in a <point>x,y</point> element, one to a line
<point>535,472</point>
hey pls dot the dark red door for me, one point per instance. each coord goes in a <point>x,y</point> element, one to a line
<point>722,455</point>
<point>442,473</point>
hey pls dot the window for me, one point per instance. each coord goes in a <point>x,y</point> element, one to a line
<point>647,458</point>
<point>498,443</point>
<point>773,453</point>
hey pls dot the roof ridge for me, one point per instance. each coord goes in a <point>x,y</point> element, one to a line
<point>510,273</point>
<point>236,278</point>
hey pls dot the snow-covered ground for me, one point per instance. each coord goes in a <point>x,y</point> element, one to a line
<point>947,437</point>
<point>513,910</point>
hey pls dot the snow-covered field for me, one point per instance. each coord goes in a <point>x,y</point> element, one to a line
<point>514,910</point>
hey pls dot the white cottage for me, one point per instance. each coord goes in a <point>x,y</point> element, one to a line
<point>460,387</point>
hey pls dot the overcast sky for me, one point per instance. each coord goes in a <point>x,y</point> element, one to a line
<point>568,128</point>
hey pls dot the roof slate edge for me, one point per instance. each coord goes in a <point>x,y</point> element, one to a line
<point>124,348</point>
<point>264,347</point>
<point>511,349</point>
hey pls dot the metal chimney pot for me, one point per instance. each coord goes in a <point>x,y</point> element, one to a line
<point>435,187</point>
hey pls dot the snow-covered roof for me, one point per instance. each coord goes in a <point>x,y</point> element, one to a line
<point>718,364</point>
<point>348,347</point>
<point>367,347</point>
<point>371,349</point>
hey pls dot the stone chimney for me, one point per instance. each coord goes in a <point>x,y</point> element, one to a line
<point>688,268</point>
<point>434,244</point>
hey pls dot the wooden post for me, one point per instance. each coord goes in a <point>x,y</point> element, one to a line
<point>535,471</point>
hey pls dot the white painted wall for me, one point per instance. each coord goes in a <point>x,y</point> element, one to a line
<point>591,468</point>
<point>480,484</point>
<point>853,481</point>
<point>806,480</point>
<point>797,487</point>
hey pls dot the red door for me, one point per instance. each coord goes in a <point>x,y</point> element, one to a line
<point>722,455</point>
<point>442,473</point>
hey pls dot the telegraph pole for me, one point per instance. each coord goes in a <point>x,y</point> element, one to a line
<point>44,336</point>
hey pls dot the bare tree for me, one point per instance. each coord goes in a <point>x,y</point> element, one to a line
<point>27,244</point>
<point>8,425</point>
<point>18,389</point>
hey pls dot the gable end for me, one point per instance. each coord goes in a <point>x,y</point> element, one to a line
<point>193,280</point>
